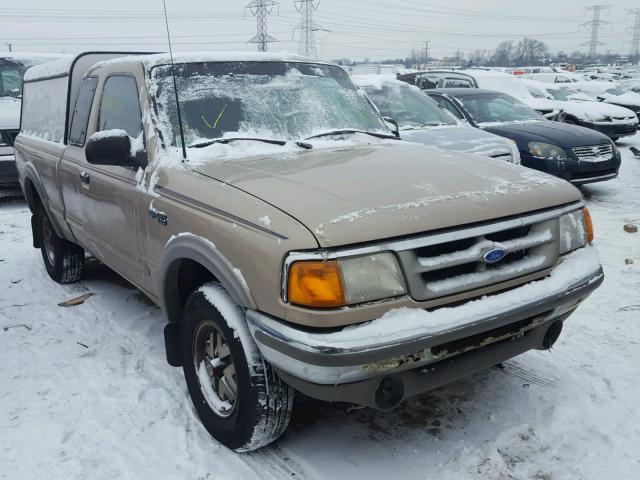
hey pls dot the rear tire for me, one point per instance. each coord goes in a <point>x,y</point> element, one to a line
<point>63,260</point>
<point>238,396</point>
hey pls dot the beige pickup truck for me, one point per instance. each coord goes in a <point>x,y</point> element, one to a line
<point>293,241</point>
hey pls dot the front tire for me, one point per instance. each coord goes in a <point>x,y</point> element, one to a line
<point>63,260</point>
<point>239,398</point>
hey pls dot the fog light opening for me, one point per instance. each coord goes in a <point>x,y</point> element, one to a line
<point>553,332</point>
<point>389,393</point>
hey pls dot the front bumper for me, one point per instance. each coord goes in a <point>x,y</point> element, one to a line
<point>576,171</point>
<point>613,130</point>
<point>350,364</point>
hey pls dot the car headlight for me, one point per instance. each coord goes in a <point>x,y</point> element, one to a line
<point>346,281</point>
<point>576,230</point>
<point>546,150</point>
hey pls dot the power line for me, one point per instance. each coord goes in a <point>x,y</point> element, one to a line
<point>595,25</point>
<point>261,9</point>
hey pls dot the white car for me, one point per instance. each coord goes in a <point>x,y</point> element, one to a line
<point>421,120</point>
<point>580,109</point>
<point>485,79</point>
<point>609,92</point>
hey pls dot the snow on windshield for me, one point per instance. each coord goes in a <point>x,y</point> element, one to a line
<point>274,100</point>
<point>497,108</point>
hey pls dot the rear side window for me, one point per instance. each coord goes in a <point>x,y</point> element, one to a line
<point>78,131</point>
<point>119,106</point>
<point>44,109</point>
<point>457,83</point>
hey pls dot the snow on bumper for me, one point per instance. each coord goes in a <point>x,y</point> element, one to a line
<point>403,338</point>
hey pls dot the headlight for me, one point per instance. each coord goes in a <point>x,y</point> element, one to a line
<point>546,150</point>
<point>576,230</point>
<point>347,281</point>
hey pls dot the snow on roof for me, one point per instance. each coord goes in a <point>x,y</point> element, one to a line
<point>32,58</point>
<point>377,81</point>
<point>152,60</point>
<point>49,69</point>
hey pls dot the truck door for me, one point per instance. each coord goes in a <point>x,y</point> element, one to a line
<point>110,199</point>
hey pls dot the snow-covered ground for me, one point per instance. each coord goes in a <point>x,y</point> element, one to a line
<point>85,391</point>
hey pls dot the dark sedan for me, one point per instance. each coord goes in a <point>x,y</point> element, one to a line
<point>574,153</point>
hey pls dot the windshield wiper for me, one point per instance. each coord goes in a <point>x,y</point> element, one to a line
<point>236,139</point>
<point>351,131</point>
<point>306,146</point>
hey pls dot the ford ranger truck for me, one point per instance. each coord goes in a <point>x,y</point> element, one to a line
<point>296,245</point>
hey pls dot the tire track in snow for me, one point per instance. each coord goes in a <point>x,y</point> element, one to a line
<point>271,463</point>
<point>512,368</point>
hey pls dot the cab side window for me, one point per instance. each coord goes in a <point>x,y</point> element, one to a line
<point>80,119</point>
<point>457,83</point>
<point>120,106</point>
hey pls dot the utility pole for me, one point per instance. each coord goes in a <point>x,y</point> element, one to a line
<point>307,45</point>
<point>426,54</point>
<point>634,55</point>
<point>595,25</point>
<point>261,9</point>
<point>9,46</point>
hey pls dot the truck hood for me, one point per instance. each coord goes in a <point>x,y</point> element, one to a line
<point>358,194</point>
<point>563,135</point>
<point>460,139</point>
<point>9,113</point>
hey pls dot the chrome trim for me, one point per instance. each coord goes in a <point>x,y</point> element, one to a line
<point>427,240</point>
<point>608,176</point>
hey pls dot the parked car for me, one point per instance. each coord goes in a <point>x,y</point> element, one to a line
<point>422,120</point>
<point>612,93</point>
<point>294,243</point>
<point>580,109</point>
<point>12,68</point>
<point>573,153</point>
<point>485,79</point>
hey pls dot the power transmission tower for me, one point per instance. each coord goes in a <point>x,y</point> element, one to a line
<point>595,25</point>
<point>634,55</point>
<point>307,45</point>
<point>261,9</point>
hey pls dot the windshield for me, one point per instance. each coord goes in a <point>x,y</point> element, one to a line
<point>11,74</point>
<point>616,91</point>
<point>497,107</point>
<point>275,100</point>
<point>566,93</point>
<point>408,106</point>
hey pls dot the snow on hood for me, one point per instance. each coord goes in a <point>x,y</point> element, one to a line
<point>596,111</point>
<point>353,194</point>
<point>542,103</point>
<point>9,113</point>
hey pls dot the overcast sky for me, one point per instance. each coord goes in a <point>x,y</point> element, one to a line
<point>352,28</point>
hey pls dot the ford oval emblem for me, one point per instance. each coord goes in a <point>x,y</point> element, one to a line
<point>494,255</point>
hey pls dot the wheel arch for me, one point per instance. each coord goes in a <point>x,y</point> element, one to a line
<point>190,262</point>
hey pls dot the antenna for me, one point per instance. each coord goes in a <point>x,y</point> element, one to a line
<point>175,84</point>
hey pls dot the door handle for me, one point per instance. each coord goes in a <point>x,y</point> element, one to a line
<point>85,178</point>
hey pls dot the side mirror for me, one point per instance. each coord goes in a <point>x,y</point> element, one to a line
<point>393,125</point>
<point>112,147</point>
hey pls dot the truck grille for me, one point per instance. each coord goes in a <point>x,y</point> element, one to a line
<point>457,266</point>
<point>594,153</point>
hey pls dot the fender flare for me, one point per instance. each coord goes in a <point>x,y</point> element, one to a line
<point>32,182</point>
<point>187,246</point>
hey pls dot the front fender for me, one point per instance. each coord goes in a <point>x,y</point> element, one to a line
<point>187,246</point>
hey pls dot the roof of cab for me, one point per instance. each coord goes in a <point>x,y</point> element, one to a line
<point>460,92</point>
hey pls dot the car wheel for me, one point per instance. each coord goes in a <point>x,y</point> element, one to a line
<point>238,396</point>
<point>63,260</point>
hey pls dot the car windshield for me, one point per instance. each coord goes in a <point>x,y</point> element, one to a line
<point>408,106</point>
<point>616,91</point>
<point>274,100</point>
<point>11,74</point>
<point>497,108</point>
<point>566,93</point>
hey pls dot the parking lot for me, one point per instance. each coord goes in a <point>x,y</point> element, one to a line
<point>87,393</point>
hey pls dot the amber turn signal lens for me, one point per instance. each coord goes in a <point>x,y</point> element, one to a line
<point>315,284</point>
<point>589,224</point>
